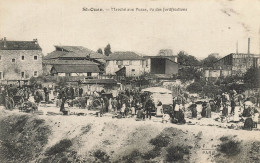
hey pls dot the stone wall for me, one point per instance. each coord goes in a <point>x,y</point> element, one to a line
<point>13,70</point>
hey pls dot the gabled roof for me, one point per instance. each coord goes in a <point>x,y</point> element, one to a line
<point>75,68</point>
<point>19,45</point>
<point>78,52</point>
<point>171,58</point>
<point>127,55</point>
<point>68,62</point>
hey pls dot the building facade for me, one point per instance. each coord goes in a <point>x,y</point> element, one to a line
<point>20,60</point>
<point>133,64</point>
<point>237,63</point>
<point>164,63</point>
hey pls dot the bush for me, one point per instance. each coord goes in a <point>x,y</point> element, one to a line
<point>101,155</point>
<point>132,156</point>
<point>155,152</point>
<point>230,147</point>
<point>224,138</point>
<point>161,141</point>
<point>60,147</point>
<point>175,153</point>
<point>23,138</point>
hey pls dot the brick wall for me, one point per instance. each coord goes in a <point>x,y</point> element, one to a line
<point>13,70</point>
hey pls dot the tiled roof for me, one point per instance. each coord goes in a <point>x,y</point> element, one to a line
<point>75,68</point>
<point>19,45</point>
<point>127,55</point>
<point>79,52</point>
<point>55,54</point>
<point>68,62</point>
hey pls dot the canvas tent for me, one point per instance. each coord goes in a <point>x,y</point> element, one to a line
<point>160,94</point>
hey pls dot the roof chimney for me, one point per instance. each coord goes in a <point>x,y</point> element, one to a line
<point>4,42</point>
<point>248,46</point>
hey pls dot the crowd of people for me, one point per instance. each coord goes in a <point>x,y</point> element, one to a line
<point>231,107</point>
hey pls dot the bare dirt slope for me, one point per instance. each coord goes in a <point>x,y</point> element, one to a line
<point>104,139</point>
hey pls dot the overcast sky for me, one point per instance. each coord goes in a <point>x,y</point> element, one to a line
<point>206,27</point>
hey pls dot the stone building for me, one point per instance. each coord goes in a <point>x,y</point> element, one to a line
<point>126,63</point>
<point>20,60</point>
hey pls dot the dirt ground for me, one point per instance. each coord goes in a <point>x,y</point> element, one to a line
<point>117,138</point>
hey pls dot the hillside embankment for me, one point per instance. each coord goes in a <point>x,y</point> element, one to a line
<point>41,138</point>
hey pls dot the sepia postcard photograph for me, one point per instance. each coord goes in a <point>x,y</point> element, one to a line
<point>129,81</point>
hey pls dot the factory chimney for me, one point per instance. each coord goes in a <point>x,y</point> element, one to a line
<point>248,46</point>
<point>237,47</point>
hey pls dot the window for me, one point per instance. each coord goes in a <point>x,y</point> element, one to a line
<point>22,74</point>
<point>35,73</point>
<point>35,57</point>
<point>119,62</point>
<point>13,60</point>
<point>22,57</point>
<point>1,75</point>
<point>89,74</point>
<point>130,62</point>
<point>133,70</point>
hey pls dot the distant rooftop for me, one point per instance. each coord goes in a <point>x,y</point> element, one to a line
<point>68,62</point>
<point>124,55</point>
<point>19,45</point>
<point>165,52</point>
<point>78,51</point>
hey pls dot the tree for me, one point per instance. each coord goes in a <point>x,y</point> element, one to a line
<point>252,78</point>
<point>187,60</point>
<point>107,50</point>
<point>189,73</point>
<point>195,87</point>
<point>62,81</point>
<point>208,62</point>
<point>100,51</point>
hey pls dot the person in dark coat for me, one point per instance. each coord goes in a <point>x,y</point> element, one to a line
<point>233,104</point>
<point>37,97</point>
<point>72,92</point>
<point>80,92</point>
<point>149,106</point>
<point>140,114</point>
<point>63,100</point>
<point>218,104</point>
<point>181,117</point>
<point>225,110</point>
<point>204,109</point>
<point>193,109</point>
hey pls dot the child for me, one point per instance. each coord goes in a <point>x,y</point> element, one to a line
<point>123,110</point>
<point>255,119</point>
<point>165,118</point>
<point>132,111</point>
